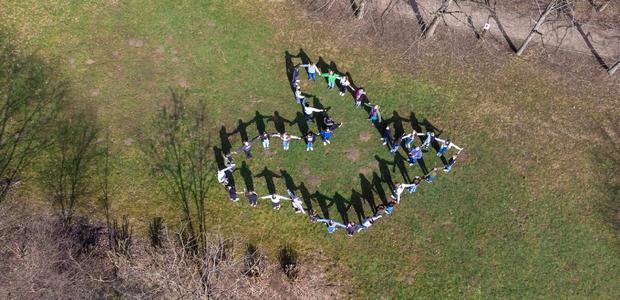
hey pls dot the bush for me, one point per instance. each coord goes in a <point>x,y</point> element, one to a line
<point>288,262</point>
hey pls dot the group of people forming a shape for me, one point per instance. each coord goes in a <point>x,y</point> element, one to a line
<point>327,128</point>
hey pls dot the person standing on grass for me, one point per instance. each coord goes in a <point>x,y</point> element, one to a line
<point>448,167</point>
<point>428,139</point>
<point>309,111</point>
<point>232,192</point>
<point>396,144</point>
<point>344,85</point>
<point>400,188</point>
<point>413,155</point>
<point>252,197</point>
<point>446,145</point>
<point>299,97</point>
<point>375,115</point>
<point>351,228</point>
<point>368,221</point>
<point>295,80</point>
<point>228,159</point>
<point>332,225</point>
<point>264,139</point>
<point>222,175</point>
<point>410,137</point>
<point>275,200</point>
<point>312,69</point>
<point>286,139</point>
<point>415,183</point>
<point>331,78</point>
<point>360,94</point>
<point>329,122</point>
<point>431,175</point>
<point>310,137</point>
<point>326,134</point>
<point>387,136</point>
<point>296,202</point>
<point>246,148</point>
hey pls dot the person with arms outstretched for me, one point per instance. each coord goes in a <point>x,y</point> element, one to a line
<point>331,78</point>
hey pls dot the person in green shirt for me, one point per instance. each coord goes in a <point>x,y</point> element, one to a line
<point>331,79</point>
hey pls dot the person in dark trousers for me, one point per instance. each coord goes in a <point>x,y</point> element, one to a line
<point>360,94</point>
<point>247,149</point>
<point>448,167</point>
<point>252,197</point>
<point>232,192</point>
<point>375,115</point>
<point>329,123</point>
<point>387,136</point>
<point>396,144</point>
<point>309,111</point>
<point>351,227</point>
<point>222,175</point>
<point>295,80</point>
<point>344,85</point>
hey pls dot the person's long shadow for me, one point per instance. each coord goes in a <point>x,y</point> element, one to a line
<point>225,142</point>
<point>430,127</point>
<point>341,206</point>
<point>358,206</point>
<point>415,124</point>
<point>305,59</point>
<point>290,66</point>
<point>397,124</point>
<point>384,170</point>
<point>269,176</point>
<point>367,192</point>
<point>300,119</point>
<point>278,122</point>
<point>418,15</point>
<point>378,187</point>
<point>423,165</point>
<point>241,129</point>
<point>400,162</point>
<point>259,119</point>
<point>322,200</point>
<point>288,180</point>
<point>247,176</point>
<point>305,195</point>
<point>219,158</point>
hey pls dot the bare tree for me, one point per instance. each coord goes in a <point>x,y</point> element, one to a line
<point>29,99</point>
<point>602,7</point>
<point>69,173</point>
<point>552,6</point>
<point>179,151</point>
<point>614,68</point>
<point>430,31</point>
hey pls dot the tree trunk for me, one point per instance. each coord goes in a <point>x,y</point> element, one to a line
<point>430,31</point>
<point>539,23</point>
<point>361,9</point>
<point>603,6</point>
<point>614,68</point>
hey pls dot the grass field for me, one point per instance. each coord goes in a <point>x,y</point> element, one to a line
<point>522,216</point>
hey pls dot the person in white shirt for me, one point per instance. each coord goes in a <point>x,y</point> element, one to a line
<point>410,137</point>
<point>296,202</point>
<point>299,97</point>
<point>332,225</point>
<point>368,221</point>
<point>286,139</point>
<point>400,188</point>
<point>344,85</point>
<point>222,175</point>
<point>309,111</point>
<point>429,137</point>
<point>312,70</point>
<point>446,145</point>
<point>275,200</point>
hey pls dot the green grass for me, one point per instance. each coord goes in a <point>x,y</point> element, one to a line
<point>506,223</point>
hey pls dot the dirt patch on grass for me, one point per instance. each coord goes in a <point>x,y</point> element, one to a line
<point>352,154</point>
<point>305,170</point>
<point>314,181</point>
<point>135,43</point>
<point>365,136</point>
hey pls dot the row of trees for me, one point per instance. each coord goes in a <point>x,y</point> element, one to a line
<point>563,8</point>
